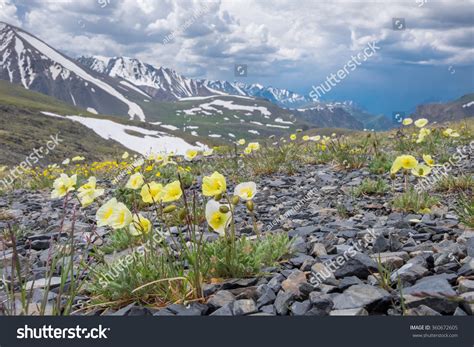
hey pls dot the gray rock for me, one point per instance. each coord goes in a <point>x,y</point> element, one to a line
<point>283,302</point>
<point>361,295</point>
<point>303,231</point>
<point>391,260</point>
<point>380,244</point>
<point>300,308</point>
<point>465,285</point>
<point>275,282</point>
<point>434,293</point>
<point>468,302</point>
<point>267,295</point>
<point>43,282</point>
<point>268,309</point>
<point>300,259</point>
<point>360,265</point>
<point>422,310</point>
<point>467,269</point>
<point>221,298</point>
<point>322,301</point>
<point>244,307</point>
<point>318,250</point>
<point>470,247</point>
<point>224,310</point>
<point>39,245</point>
<point>294,283</point>
<point>346,282</point>
<point>321,274</point>
<point>409,273</point>
<point>459,312</point>
<point>298,245</point>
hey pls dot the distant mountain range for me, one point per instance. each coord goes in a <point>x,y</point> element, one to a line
<point>129,88</point>
<point>442,112</point>
<point>166,84</point>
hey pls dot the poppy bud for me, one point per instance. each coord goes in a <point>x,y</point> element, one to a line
<point>249,205</point>
<point>169,209</point>
<point>235,200</point>
<point>224,209</point>
<point>182,214</point>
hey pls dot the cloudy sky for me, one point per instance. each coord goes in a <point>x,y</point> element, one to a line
<point>285,43</point>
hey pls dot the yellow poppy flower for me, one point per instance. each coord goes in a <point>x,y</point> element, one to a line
<point>293,137</point>
<point>151,192</point>
<point>88,192</point>
<point>121,217</point>
<point>172,192</point>
<point>241,142</point>
<point>216,219</point>
<point>105,212</point>
<point>135,181</point>
<point>140,225</point>
<point>63,185</point>
<point>428,160</point>
<point>406,162</point>
<point>420,123</point>
<point>214,185</point>
<point>407,121</point>
<point>421,170</point>
<point>254,146</point>
<point>246,191</point>
<point>190,154</point>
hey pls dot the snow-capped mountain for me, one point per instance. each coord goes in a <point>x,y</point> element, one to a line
<point>30,62</point>
<point>158,82</point>
<point>166,84</point>
<point>280,97</point>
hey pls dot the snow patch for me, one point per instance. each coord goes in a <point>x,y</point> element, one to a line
<point>277,126</point>
<point>92,110</point>
<point>152,141</point>
<point>169,127</point>
<point>280,120</point>
<point>131,86</point>
<point>228,104</point>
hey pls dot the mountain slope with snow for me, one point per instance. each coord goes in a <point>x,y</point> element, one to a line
<point>164,84</point>
<point>28,119</point>
<point>160,83</point>
<point>28,61</point>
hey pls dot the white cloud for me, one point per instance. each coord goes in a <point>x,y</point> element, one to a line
<point>279,37</point>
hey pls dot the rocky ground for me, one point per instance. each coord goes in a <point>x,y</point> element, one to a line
<point>430,258</point>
